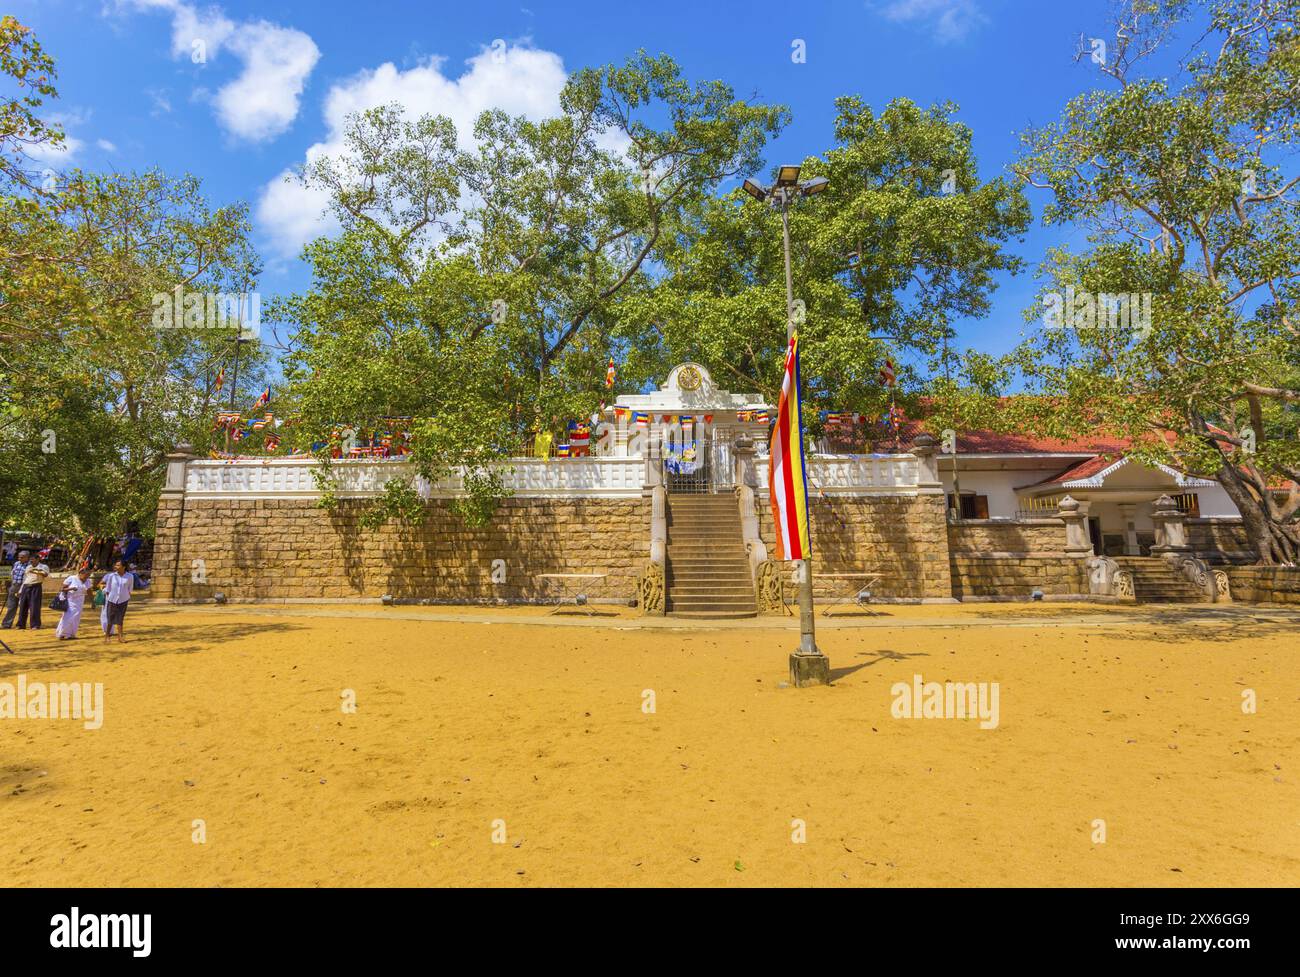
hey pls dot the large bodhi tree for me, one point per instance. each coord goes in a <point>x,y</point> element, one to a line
<point>92,395</point>
<point>905,240</point>
<point>1185,189</point>
<point>481,291</point>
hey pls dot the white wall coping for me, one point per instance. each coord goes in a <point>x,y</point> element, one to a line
<point>292,478</point>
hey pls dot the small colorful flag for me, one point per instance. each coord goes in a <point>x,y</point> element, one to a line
<point>263,399</point>
<point>221,379</point>
<point>640,418</point>
<point>610,373</point>
<point>562,451</point>
<point>887,374</point>
<point>272,442</point>
<point>761,417</point>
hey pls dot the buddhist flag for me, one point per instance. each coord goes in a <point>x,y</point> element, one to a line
<point>610,373</point>
<point>263,399</point>
<point>887,374</point>
<point>787,474</point>
<point>221,379</point>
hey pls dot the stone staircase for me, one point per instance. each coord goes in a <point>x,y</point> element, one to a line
<point>1156,582</point>
<point>708,571</point>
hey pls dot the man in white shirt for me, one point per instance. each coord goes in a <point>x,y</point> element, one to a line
<point>117,592</point>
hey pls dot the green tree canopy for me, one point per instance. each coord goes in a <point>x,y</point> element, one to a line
<point>905,239</point>
<point>1184,188</point>
<point>481,291</point>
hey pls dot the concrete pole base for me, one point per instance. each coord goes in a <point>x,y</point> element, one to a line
<point>806,670</point>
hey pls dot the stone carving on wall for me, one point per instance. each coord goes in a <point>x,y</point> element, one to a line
<point>1222,587</point>
<point>1124,584</point>
<point>1106,578</point>
<point>770,587</point>
<point>650,589</point>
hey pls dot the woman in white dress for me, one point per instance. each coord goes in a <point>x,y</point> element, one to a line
<point>75,589</point>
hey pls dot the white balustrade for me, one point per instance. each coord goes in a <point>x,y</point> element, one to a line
<point>606,477</point>
<point>856,474</point>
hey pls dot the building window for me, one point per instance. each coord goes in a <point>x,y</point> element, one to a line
<point>972,506</point>
<point>1188,504</point>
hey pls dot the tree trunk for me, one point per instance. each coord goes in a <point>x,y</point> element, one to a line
<point>1273,541</point>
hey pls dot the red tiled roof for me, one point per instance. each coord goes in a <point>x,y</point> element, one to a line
<point>992,443</point>
<point>1084,469</point>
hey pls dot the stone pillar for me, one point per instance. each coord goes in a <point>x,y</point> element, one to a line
<point>745,451</point>
<point>1128,513</point>
<point>169,526</point>
<point>1077,543</point>
<point>930,523</point>
<point>653,460</point>
<point>1171,529</point>
<point>927,452</point>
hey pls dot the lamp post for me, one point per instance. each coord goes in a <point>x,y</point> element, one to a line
<point>808,666</point>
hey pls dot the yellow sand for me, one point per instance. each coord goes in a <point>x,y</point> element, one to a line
<point>232,716</point>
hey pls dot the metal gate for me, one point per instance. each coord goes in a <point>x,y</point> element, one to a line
<point>698,466</point>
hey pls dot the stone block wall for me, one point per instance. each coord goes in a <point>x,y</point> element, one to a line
<point>902,537</point>
<point>1017,576</point>
<point>1000,558</point>
<point>291,549</point>
<point>1038,537</point>
<point>1220,540</point>
<point>1265,585</point>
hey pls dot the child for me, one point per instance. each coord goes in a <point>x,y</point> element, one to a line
<point>101,601</point>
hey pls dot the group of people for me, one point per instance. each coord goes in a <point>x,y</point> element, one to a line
<point>112,593</point>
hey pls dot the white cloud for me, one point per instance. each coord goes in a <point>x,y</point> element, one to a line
<point>518,80</point>
<point>951,20</point>
<point>65,153</point>
<point>49,153</point>
<point>262,102</point>
<point>105,145</point>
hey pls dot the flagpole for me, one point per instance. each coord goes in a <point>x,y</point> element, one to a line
<point>808,666</point>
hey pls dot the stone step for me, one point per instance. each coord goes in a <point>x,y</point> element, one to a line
<point>715,615</point>
<point>706,546</point>
<point>703,566</point>
<point>707,531</point>
<point>711,528</point>
<point>713,604</point>
<point>683,592</point>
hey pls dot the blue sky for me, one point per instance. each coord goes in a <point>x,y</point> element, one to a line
<point>275,78</point>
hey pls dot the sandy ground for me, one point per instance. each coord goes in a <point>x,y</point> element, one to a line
<point>470,723</point>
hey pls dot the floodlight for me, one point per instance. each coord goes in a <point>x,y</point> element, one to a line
<point>816,185</point>
<point>787,176</point>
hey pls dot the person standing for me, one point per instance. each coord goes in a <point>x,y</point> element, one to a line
<point>75,588</point>
<point>101,603</point>
<point>117,592</point>
<point>30,597</point>
<point>15,589</point>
